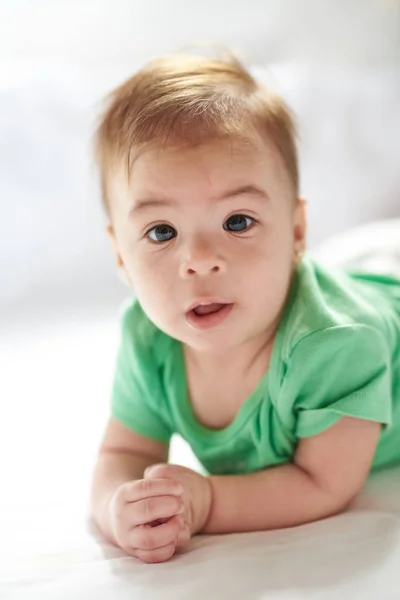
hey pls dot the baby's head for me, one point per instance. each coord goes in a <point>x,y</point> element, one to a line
<point>199,178</point>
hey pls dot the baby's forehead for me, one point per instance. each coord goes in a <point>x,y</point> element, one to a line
<point>220,154</point>
<point>213,168</point>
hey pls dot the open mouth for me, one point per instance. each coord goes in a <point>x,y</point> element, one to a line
<point>210,314</point>
<point>207,309</point>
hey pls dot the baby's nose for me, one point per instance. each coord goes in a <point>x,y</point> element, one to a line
<point>202,261</point>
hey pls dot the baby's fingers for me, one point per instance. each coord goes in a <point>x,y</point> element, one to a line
<point>146,488</point>
<point>145,537</point>
<point>156,556</point>
<point>151,509</point>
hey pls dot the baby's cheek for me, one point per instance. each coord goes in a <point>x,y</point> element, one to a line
<point>152,285</point>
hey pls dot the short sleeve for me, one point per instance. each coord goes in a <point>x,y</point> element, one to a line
<point>137,400</point>
<point>339,371</point>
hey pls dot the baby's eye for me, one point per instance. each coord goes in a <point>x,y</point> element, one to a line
<point>161,233</point>
<point>238,223</point>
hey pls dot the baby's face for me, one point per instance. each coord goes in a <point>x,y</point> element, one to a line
<point>207,236</point>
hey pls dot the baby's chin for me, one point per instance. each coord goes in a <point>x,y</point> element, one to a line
<point>217,345</point>
<point>228,335</point>
<point>211,341</point>
<point>216,341</point>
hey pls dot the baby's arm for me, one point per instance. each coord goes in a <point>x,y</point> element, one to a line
<point>329,470</point>
<point>124,505</point>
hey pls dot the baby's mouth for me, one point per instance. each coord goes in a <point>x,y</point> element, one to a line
<point>206,309</point>
<point>206,315</point>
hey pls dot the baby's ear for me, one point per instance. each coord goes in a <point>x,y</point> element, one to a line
<point>122,272</point>
<point>300,225</point>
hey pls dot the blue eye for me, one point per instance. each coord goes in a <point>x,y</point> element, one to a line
<point>161,233</point>
<point>238,223</point>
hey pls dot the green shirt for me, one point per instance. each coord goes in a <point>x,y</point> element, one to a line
<point>336,352</point>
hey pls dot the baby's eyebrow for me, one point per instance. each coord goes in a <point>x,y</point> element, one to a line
<point>142,204</point>
<point>245,190</point>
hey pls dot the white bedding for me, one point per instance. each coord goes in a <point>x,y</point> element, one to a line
<point>354,555</point>
<point>54,388</point>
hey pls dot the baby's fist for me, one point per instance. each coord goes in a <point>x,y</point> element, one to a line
<point>137,506</point>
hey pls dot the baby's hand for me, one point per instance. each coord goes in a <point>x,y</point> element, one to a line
<point>196,497</point>
<point>147,518</point>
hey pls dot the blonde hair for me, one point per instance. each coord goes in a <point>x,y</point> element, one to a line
<point>190,100</point>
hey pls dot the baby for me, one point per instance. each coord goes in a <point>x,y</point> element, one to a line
<point>283,377</point>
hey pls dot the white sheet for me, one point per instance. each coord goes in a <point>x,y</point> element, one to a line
<point>354,555</point>
<point>53,389</point>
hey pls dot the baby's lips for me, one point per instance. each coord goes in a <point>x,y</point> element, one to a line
<point>206,300</point>
<point>206,309</point>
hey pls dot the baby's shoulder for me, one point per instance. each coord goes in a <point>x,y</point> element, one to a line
<point>327,306</point>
